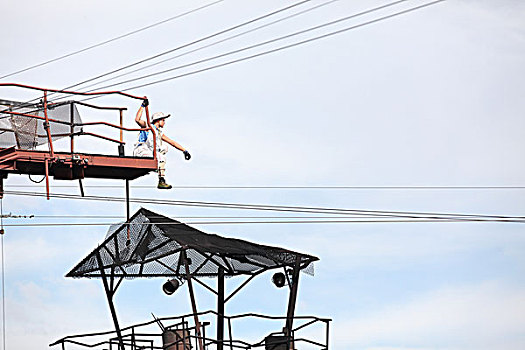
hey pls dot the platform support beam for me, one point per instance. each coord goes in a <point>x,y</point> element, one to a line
<point>72,126</point>
<point>193,302</point>
<point>109,294</point>
<point>292,301</point>
<point>127,212</point>
<point>220,309</point>
<point>46,166</point>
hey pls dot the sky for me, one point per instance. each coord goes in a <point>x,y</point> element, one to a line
<point>430,98</point>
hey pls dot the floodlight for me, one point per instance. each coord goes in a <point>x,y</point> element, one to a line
<point>170,286</point>
<point>279,279</point>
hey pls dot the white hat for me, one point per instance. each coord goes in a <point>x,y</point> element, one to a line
<point>158,116</point>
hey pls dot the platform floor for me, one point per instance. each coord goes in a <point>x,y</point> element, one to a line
<point>70,166</point>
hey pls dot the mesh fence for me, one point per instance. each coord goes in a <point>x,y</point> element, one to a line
<point>26,133</point>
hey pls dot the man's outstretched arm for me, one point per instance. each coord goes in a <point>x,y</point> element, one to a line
<point>187,155</point>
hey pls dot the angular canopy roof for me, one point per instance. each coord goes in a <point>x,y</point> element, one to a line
<point>156,247</point>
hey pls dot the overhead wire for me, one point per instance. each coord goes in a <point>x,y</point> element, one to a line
<point>280,208</point>
<point>323,36</point>
<point>174,49</point>
<point>288,36</point>
<point>369,221</point>
<point>214,43</point>
<point>109,40</point>
<point>189,44</point>
<point>200,187</point>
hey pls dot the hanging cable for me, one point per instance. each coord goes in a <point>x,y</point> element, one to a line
<point>37,181</point>
<point>110,40</point>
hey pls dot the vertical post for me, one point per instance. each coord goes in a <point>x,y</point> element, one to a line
<point>220,309</point>
<point>121,125</point>
<point>72,124</point>
<point>327,333</point>
<point>193,303</point>
<point>127,212</point>
<point>292,300</point>
<point>230,333</point>
<point>109,295</point>
<point>121,144</point>
<point>46,126</point>
<point>46,165</point>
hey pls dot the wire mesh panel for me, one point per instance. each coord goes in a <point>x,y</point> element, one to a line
<point>26,132</point>
<point>152,245</point>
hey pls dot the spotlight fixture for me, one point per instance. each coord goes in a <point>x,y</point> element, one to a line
<point>170,286</point>
<point>279,279</point>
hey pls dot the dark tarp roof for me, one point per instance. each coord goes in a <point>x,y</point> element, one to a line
<point>155,247</point>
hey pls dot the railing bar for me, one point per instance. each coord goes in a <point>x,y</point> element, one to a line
<point>304,325</point>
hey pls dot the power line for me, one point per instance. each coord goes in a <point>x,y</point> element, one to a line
<point>283,47</point>
<point>189,44</point>
<point>213,44</point>
<point>368,221</point>
<point>281,208</point>
<point>110,40</point>
<point>122,217</point>
<point>200,187</point>
<point>304,31</point>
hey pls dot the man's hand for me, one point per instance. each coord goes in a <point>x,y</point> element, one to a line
<point>145,103</point>
<point>187,155</point>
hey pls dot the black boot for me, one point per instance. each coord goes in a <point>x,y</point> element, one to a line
<point>162,184</point>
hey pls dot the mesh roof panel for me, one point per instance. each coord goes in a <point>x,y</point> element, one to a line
<point>156,244</point>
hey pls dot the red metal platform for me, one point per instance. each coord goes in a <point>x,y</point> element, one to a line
<point>24,126</point>
<point>68,166</point>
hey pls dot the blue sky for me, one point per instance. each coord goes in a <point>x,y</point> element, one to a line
<point>431,98</point>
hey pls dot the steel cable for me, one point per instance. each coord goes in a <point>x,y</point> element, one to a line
<point>110,40</point>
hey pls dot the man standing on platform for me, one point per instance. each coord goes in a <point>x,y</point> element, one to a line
<point>144,146</point>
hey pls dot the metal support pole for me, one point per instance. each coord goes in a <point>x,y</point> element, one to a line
<point>220,309</point>
<point>72,125</point>
<point>81,187</point>
<point>292,300</point>
<point>127,212</point>
<point>121,125</point>
<point>109,295</point>
<point>46,126</point>
<point>193,303</point>
<point>327,333</point>
<point>230,333</point>
<point>121,145</point>
<point>46,165</point>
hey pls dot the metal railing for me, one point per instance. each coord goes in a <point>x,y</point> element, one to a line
<point>134,338</point>
<point>45,105</point>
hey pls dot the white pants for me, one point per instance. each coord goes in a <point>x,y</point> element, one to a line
<point>142,150</point>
